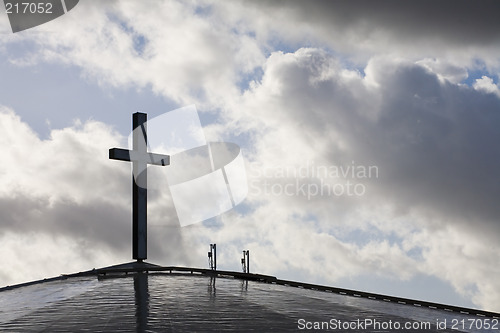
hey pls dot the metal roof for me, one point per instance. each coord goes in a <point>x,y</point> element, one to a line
<point>144,297</point>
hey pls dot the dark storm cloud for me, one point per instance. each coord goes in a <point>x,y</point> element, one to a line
<point>434,142</point>
<point>95,225</point>
<point>96,222</point>
<point>458,22</point>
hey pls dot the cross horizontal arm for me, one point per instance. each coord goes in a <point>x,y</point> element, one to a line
<point>158,159</point>
<point>119,154</point>
<point>131,155</point>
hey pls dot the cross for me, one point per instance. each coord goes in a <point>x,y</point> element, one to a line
<point>140,158</point>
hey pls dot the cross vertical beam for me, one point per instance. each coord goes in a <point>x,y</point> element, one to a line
<point>139,188</point>
<point>140,159</point>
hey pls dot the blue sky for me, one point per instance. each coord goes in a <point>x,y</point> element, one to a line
<point>296,86</point>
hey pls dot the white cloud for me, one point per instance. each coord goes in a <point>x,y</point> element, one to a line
<point>70,165</point>
<point>487,85</point>
<point>444,70</point>
<point>164,45</point>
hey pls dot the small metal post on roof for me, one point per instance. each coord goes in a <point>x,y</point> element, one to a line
<point>248,261</point>
<point>212,257</point>
<point>245,261</point>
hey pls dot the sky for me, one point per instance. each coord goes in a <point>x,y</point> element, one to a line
<point>369,132</point>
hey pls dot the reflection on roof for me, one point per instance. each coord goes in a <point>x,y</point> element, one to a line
<point>146,297</point>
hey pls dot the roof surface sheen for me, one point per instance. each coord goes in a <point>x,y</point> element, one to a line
<point>163,302</point>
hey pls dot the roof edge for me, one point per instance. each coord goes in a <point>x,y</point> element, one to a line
<point>141,266</point>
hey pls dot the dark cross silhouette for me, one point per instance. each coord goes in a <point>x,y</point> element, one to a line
<point>140,158</point>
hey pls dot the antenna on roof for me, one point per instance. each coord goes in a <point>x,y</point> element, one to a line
<point>245,261</point>
<point>212,257</point>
